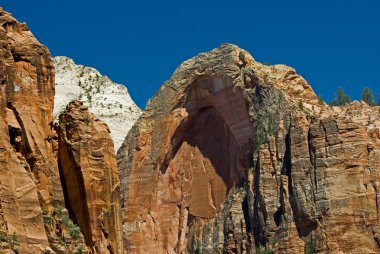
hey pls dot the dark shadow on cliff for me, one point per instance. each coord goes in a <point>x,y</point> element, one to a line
<point>208,129</point>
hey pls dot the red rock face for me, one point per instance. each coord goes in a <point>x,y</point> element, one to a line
<point>90,178</point>
<point>200,155</point>
<point>28,92</point>
<point>232,156</point>
<point>28,173</point>
<point>33,218</point>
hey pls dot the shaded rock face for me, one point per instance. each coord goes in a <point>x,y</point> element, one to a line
<point>29,177</point>
<point>90,178</point>
<point>232,156</point>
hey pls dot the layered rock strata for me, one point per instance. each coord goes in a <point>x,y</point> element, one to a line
<point>90,178</point>
<point>232,156</point>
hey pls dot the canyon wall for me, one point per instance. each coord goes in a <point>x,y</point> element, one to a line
<point>29,175</point>
<point>38,213</point>
<point>232,156</point>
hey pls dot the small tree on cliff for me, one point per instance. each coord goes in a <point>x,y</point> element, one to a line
<point>341,98</point>
<point>367,96</point>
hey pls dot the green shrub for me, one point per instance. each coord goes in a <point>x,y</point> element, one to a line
<point>258,142</point>
<point>262,250</point>
<point>66,221</point>
<point>198,247</point>
<point>62,242</point>
<point>74,231</point>
<point>14,241</point>
<point>309,248</point>
<point>79,249</point>
<point>300,104</point>
<point>57,210</point>
<point>48,219</point>
<point>86,120</point>
<point>320,100</point>
<point>367,97</point>
<point>341,98</point>
<point>270,125</point>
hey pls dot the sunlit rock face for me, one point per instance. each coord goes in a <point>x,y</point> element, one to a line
<point>89,177</point>
<point>232,156</point>
<point>29,178</point>
<point>34,217</point>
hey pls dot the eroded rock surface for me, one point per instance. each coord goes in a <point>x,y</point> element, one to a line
<point>33,218</point>
<point>29,177</point>
<point>232,156</point>
<point>90,178</point>
<point>361,113</point>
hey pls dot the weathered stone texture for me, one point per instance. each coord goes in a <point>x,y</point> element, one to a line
<point>90,178</point>
<point>233,156</point>
<point>29,175</point>
<point>30,184</point>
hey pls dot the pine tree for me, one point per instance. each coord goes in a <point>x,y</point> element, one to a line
<point>367,96</point>
<point>341,98</point>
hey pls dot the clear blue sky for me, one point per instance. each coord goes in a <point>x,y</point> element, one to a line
<point>140,43</point>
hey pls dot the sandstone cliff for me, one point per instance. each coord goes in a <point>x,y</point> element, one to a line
<point>33,213</point>
<point>109,101</point>
<point>232,156</point>
<point>90,177</point>
<point>29,177</point>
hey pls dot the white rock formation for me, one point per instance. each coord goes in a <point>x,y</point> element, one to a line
<point>361,113</point>
<point>109,101</point>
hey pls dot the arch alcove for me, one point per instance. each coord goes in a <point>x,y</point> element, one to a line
<point>189,152</point>
<point>210,149</point>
